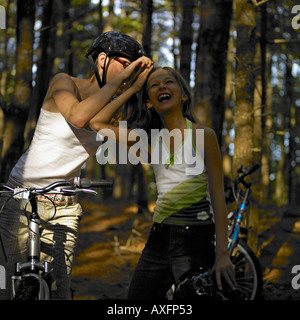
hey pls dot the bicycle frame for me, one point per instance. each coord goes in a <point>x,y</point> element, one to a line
<point>237,222</point>
<point>240,210</point>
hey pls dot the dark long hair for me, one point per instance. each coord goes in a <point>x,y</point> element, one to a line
<point>137,114</point>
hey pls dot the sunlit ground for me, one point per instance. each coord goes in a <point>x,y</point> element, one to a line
<point>112,237</point>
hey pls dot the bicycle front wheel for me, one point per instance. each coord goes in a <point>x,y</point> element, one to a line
<point>31,287</point>
<point>248,275</point>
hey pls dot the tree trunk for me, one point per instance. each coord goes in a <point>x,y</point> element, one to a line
<point>246,45</point>
<point>3,79</point>
<point>245,82</point>
<point>267,130</point>
<point>45,56</point>
<point>280,183</point>
<point>138,178</point>
<point>212,41</point>
<point>62,48</point>
<point>174,36</point>
<point>186,38</point>
<point>147,10</point>
<point>100,22</point>
<point>17,112</point>
<point>4,68</point>
<point>290,124</point>
<point>257,122</point>
<point>108,25</point>
<point>228,115</point>
<point>266,97</point>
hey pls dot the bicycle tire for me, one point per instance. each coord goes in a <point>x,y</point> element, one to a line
<point>28,289</point>
<point>248,275</point>
<point>31,287</point>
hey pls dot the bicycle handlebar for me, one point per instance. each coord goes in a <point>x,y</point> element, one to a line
<point>236,191</point>
<point>77,182</point>
<point>95,183</point>
<point>241,179</point>
<point>253,168</point>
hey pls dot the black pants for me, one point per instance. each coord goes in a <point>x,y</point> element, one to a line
<point>171,251</point>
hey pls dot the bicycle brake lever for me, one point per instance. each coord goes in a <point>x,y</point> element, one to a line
<point>87,191</point>
<point>66,190</point>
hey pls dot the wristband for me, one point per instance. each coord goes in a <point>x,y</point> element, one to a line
<point>118,101</point>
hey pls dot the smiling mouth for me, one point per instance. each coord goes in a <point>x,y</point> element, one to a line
<point>164,97</point>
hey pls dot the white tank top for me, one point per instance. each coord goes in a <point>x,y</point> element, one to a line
<point>57,152</point>
<point>181,180</point>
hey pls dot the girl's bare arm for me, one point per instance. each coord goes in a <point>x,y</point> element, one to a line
<point>223,265</point>
<point>103,117</point>
<point>62,93</point>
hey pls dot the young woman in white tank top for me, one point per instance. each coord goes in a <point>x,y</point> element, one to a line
<point>62,143</point>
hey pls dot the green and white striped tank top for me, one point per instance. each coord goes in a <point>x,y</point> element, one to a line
<point>181,180</point>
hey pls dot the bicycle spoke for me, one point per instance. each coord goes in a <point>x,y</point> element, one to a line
<point>246,274</point>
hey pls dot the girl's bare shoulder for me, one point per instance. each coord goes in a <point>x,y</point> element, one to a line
<point>61,80</point>
<point>60,83</point>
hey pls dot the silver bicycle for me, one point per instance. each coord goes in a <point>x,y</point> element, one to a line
<point>32,278</point>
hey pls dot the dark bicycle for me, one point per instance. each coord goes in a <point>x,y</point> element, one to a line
<point>248,274</point>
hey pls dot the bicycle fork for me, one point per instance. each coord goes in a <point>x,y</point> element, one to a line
<point>32,267</point>
<point>238,220</point>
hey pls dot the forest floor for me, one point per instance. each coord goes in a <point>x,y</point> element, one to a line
<point>112,236</point>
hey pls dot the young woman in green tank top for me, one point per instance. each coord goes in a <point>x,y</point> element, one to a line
<point>184,234</point>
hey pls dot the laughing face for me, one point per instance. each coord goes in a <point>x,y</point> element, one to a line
<point>165,93</point>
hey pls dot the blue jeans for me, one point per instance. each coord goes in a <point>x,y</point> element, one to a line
<point>171,251</point>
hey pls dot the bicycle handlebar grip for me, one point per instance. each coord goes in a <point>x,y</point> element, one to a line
<point>253,168</point>
<point>100,183</point>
